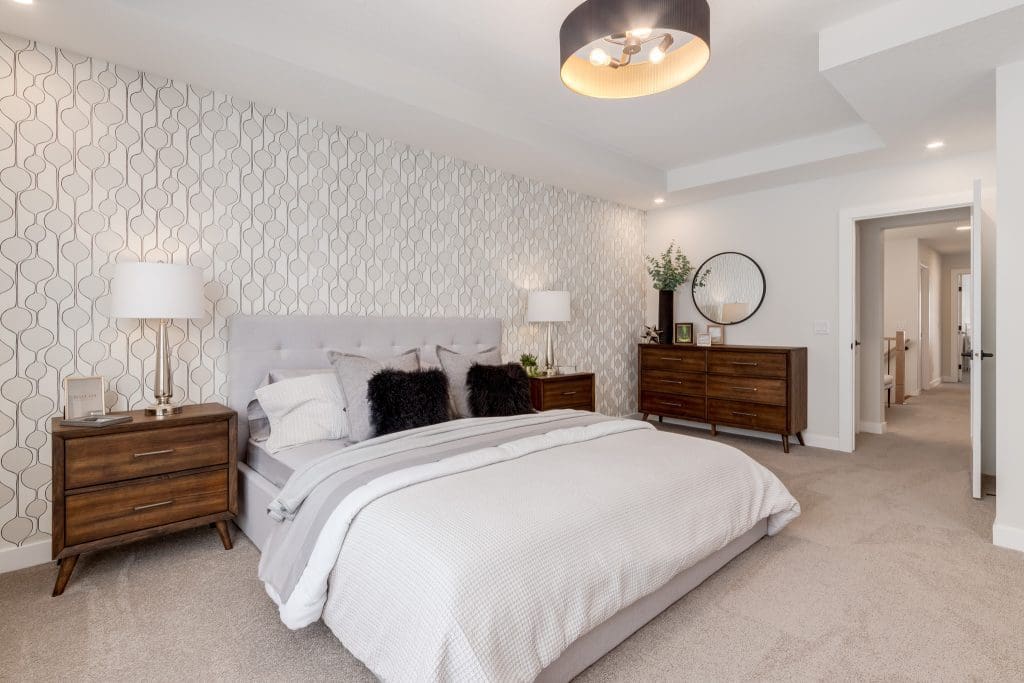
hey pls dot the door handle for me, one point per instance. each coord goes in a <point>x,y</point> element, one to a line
<point>985,355</point>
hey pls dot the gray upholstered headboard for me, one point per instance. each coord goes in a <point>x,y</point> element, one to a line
<point>258,344</point>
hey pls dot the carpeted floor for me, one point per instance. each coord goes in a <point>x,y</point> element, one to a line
<point>888,574</point>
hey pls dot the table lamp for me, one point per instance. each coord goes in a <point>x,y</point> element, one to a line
<point>549,307</point>
<point>163,292</point>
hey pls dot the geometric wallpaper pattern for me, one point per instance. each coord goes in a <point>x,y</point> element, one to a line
<point>284,214</point>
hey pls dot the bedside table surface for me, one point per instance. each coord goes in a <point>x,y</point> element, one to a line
<point>190,414</point>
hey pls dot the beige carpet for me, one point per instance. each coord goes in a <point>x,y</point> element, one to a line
<point>888,574</point>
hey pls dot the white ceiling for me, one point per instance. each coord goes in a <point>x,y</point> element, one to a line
<point>792,87</point>
<point>934,229</point>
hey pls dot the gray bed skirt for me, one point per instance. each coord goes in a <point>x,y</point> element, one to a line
<point>256,492</point>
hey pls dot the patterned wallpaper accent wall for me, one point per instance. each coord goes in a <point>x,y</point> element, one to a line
<point>284,214</point>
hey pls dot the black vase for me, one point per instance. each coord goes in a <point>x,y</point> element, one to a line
<point>666,315</point>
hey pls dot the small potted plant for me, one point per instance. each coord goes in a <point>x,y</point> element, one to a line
<point>529,363</point>
<point>668,272</point>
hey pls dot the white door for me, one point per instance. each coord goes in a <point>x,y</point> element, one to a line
<point>976,347</point>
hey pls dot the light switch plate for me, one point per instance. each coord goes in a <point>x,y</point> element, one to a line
<point>822,327</point>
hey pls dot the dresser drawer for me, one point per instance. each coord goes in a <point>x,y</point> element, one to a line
<point>131,507</point>
<point>756,389</point>
<point>667,358</point>
<point>681,383</point>
<point>751,364</point>
<point>683,407</point>
<point>118,457</point>
<point>744,414</point>
<point>571,392</point>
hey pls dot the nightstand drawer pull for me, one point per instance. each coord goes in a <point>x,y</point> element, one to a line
<point>139,508</point>
<point>749,363</point>
<point>166,451</point>
<point>739,414</point>
<point>744,388</point>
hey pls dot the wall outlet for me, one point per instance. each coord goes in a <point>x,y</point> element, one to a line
<point>822,327</point>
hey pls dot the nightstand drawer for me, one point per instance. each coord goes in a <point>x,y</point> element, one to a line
<point>568,393</point>
<point>131,507</point>
<point>119,457</point>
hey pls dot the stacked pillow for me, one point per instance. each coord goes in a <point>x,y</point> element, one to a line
<point>360,397</point>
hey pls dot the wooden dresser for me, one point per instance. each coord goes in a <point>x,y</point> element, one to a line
<point>763,388</point>
<point>139,479</point>
<point>563,391</point>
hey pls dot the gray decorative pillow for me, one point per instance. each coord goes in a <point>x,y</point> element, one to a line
<point>259,423</point>
<point>354,373</point>
<point>456,365</point>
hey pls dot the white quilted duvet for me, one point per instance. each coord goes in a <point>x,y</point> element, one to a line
<point>489,574</point>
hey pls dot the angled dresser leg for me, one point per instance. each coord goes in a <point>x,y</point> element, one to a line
<point>67,565</point>
<point>714,430</point>
<point>225,535</point>
<point>785,443</point>
<point>800,438</point>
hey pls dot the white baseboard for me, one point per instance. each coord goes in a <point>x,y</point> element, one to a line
<point>12,559</point>
<point>830,443</point>
<point>935,382</point>
<point>873,427</point>
<point>948,379</point>
<point>1008,537</point>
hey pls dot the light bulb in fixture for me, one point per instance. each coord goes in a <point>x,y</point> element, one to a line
<point>640,33</point>
<point>657,55</point>
<point>659,200</point>
<point>599,57</point>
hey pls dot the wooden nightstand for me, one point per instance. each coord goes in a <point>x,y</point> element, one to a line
<point>140,479</point>
<point>563,391</point>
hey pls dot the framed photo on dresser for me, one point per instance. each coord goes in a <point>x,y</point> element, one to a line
<point>683,333</point>
<point>717,334</point>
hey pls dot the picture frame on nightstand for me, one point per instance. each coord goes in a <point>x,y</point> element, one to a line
<point>83,397</point>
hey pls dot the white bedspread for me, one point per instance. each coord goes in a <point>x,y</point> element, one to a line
<point>488,574</point>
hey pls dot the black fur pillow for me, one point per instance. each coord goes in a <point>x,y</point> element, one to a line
<point>402,400</point>
<point>497,390</point>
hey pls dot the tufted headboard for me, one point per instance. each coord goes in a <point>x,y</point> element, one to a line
<point>258,344</point>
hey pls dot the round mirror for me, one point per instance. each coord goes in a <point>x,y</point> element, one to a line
<point>728,288</point>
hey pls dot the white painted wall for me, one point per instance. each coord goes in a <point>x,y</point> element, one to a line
<point>792,233</point>
<point>902,300</point>
<point>871,363</point>
<point>929,258</point>
<point>1009,525</point>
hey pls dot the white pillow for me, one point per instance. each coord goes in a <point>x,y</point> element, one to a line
<point>303,409</point>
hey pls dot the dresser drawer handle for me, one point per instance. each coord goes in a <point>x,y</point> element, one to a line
<point>166,451</point>
<point>744,388</point>
<point>139,508</point>
<point>677,405</point>
<point>739,414</point>
<point>750,363</point>
<point>671,358</point>
<point>569,393</point>
<point>671,381</point>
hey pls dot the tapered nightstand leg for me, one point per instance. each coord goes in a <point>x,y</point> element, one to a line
<point>785,443</point>
<point>67,566</point>
<point>800,438</point>
<point>225,535</point>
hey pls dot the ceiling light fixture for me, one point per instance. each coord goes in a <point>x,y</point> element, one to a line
<point>617,49</point>
<point>659,200</point>
<point>938,144</point>
<point>24,2</point>
<point>964,227</point>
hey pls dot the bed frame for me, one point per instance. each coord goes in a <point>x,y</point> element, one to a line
<point>258,344</point>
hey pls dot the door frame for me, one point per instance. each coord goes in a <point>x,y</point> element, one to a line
<point>847,281</point>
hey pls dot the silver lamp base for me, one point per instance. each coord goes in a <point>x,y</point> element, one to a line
<point>162,410</point>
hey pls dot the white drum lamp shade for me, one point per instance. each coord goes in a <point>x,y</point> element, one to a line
<point>157,291</point>
<point>547,306</point>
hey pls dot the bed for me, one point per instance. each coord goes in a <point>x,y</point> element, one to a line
<point>529,549</point>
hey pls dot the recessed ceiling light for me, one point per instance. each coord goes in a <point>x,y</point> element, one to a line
<point>659,200</point>
<point>964,227</point>
<point>24,2</point>
<point>937,144</point>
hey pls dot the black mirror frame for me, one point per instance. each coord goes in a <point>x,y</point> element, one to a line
<point>693,287</point>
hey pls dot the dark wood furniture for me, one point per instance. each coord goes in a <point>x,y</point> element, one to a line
<point>755,387</point>
<point>140,479</point>
<point>563,391</point>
